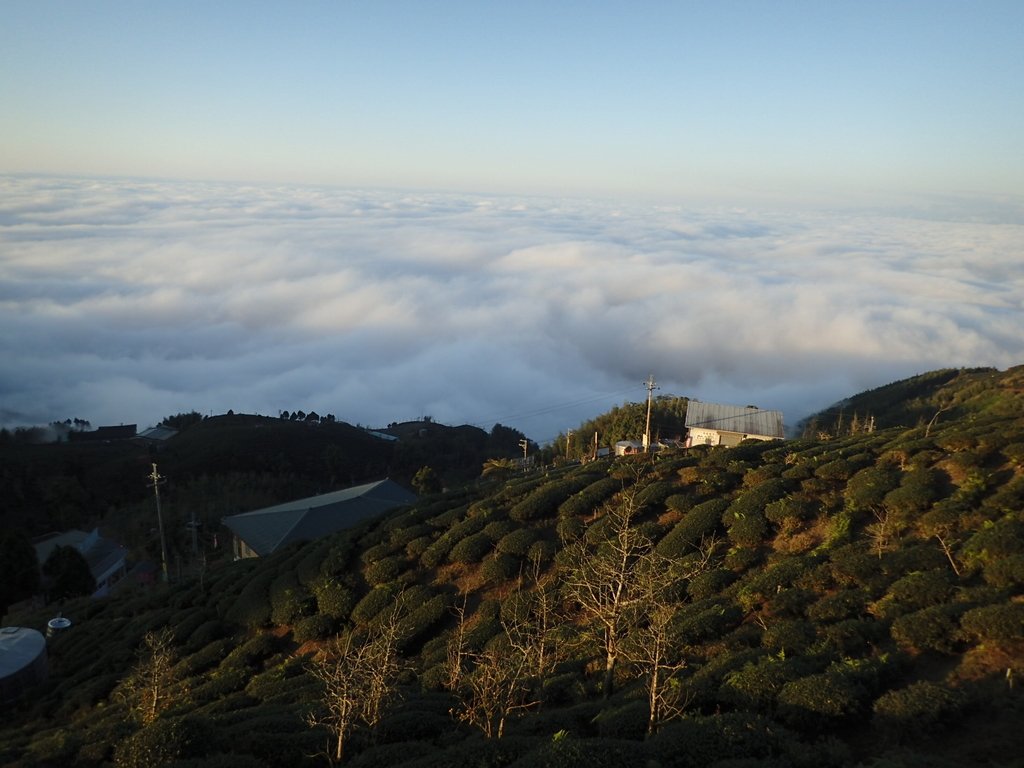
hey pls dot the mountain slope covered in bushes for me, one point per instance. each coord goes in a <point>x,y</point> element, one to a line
<point>856,599</point>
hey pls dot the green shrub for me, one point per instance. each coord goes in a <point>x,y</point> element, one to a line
<point>471,549</point>
<point>853,637</point>
<point>415,548</point>
<point>338,557</point>
<point>542,552</point>
<point>307,570</point>
<point>699,523</point>
<point>821,701</point>
<point>389,753</point>
<point>868,487</point>
<point>208,656</point>
<point>486,623</point>
<point>333,599</point>
<point>252,607</point>
<point>999,623</point>
<point>653,496</point>
<point>571,529</point>
<point>376,552</point>
<point>918,709</point>
<point>709,583</point>
<point>436,553</point>
<point>164,741</point>
<point>253,652</point>
<point>373,602</point>
<point>756,685</point>
<point>741,559</point>
<point>318,627</point>
<point>853,566</point>
<point>570,752</point>
<point>385,570</point>
<point>994,542</point>
<point>288,599</point>
<point>680,502</point>
<point>499,528</point>
<point>708,619</point>
<point>517,542</point>
<point>746,529</point>
<point>204,634</point>
<point>423,616</point>
<point>792,508</point>
<point>789,637</point>
<point>930,629</point>
<point>625,721</point>
<point>1006,572</point>
<point>844,604</point>
<point>545,500</point>
<point>584,502</point>
<point>499,568</point>
<point>913,592</point>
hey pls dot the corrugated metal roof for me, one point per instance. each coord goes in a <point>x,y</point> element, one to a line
<point>744,420</point>
<point>266,530</point>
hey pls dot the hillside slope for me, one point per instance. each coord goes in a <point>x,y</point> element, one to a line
<point>856,600</point>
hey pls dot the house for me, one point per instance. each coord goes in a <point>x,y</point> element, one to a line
<point>106,559</point>
<point>628,447</point>
<point>104,434</point>
<point>158,434</point>
<point>259,533</point>
<point>728,425</point>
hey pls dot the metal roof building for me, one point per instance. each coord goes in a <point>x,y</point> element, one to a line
<point>106,558</point>
<point>264,531</point>
<point>22,661</point>
<point>715,424</point>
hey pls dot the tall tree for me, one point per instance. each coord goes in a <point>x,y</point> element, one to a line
<point>67,574</point>
<point>19,569</point>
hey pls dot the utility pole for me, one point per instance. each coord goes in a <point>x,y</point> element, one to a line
<point>157,480</point>
<point>568,434</point>
<point>651,386</point>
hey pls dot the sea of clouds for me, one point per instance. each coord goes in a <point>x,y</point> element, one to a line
<point>127,301</point>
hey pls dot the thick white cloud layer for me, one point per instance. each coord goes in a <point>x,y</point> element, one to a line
<point>127,301</point>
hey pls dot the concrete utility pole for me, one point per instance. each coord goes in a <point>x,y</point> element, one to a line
<point>651,386</point>
<point>157,480</point>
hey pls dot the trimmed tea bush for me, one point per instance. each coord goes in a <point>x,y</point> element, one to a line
<point>333,598</point>
<point>930,629</point>
<point>499,568</point>
<point>918,709</point>
<point>700,522</point>
<point>471,549</point>
<point>995,623</point>
<point>821,701</point>
<point>384,571</point>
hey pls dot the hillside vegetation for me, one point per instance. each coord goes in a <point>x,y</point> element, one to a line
<point>852,599</point>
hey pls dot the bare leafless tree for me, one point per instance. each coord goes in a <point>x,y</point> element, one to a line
<point>153,684</point>
<point>359,679</point>
<point>504,679</point>
<point>652,647</point>
<point>497,686</point>
<point>601,583</point>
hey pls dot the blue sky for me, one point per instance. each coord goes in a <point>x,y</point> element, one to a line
<point>766,101</point>
<point>509,211</point>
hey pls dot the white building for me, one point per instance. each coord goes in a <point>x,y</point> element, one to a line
<point>728,425</point>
